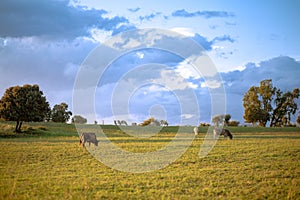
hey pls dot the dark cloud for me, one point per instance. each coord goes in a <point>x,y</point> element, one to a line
<point>54,19</point>
<point>207,45</point>
<point>205,14</point>
<point>283,70</point>
<point>134,9</point>
<point>223,38</point>
<point>52,65</point>
<point>149,17</point>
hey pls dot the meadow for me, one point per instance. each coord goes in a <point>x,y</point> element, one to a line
<point>46,162</point>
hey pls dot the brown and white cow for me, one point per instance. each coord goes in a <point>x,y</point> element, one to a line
<point>224,132</point>
<point>88,137</point>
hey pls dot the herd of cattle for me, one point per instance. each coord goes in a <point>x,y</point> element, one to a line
<point>92,138</point>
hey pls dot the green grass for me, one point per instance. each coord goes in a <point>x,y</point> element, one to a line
<point>48,163</point>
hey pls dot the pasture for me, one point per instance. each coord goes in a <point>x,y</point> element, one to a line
<point>47,163</point>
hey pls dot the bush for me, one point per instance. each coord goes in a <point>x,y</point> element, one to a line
<point>204,124</point>
<point>233,123</point>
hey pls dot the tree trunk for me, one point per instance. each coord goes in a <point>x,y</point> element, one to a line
<point>18,127</point>
<point>274,121</point>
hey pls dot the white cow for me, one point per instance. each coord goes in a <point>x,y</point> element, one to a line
<point>196,130</point>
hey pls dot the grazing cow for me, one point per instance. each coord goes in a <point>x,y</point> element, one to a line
<point>196,130</point>
<point>88,137</point>
<point>224,132</point>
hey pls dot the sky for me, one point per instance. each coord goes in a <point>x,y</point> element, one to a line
<point>52,42</point>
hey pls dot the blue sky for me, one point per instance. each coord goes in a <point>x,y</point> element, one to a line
<point>46,42</point>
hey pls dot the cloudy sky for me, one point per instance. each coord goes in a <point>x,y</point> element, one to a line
<point>51,42</point>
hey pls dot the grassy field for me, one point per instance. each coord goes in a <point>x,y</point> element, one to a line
<point>46,162</point>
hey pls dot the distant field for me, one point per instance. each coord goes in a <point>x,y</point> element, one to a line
<point>46,162</point>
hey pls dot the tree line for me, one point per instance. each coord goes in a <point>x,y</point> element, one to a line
<point>263,104</point>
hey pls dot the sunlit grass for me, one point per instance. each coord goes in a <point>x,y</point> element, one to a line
<point>262,165</point>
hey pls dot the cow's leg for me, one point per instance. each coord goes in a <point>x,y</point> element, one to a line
<point>230,135</point>
<point>227,133</point>
<point>81,140</point>
<point>215,133</point>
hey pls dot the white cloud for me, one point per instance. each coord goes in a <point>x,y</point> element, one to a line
<point>187,116</point>
<point>156,88</point>
<point>217,47</point>
<point>173,81</point>
<point>197,66</point>
<point>188,32</point>
<point>140,55</point>
<point>187,71</point>
<point>100,35</point>
<point>71,69</point>
<point>213,84</point>
<point>131,43</point>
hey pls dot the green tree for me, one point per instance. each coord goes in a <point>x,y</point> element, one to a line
<point>258,104</point>
<point>251,105</point>
<point>285,106</point>
<point>23,104</point>
<point>59,113</point>
<point>79,119</point>
<point>266,92</point>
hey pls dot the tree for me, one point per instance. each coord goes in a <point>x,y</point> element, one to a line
<point>218,119</point>
<point>298,118</point>
<point>227,117</point>
<point>204,124</point>
<point>251,105</point>
<point>123,122</point>
<point>258,104</point>
<point>79,119</point>
<point>164,122</point>
<point>266,92</point>
<point>23,104</point>
<point>233,123</point>
<point>59,113</point>
<point>285,106</point>
<point>150,121</point>
<point>221,119</point>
